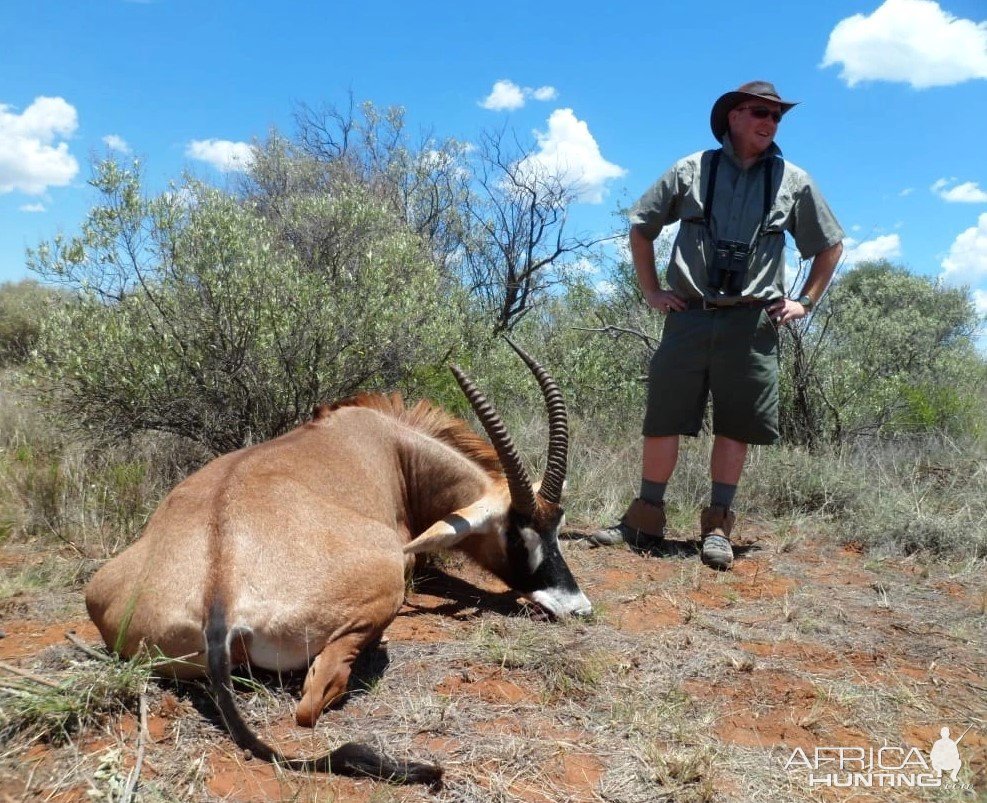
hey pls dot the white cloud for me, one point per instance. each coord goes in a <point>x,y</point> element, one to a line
<point>968,192</point>
<point>583,267</point>
<point>966,262</point>
<point>980,301</point>
<point>508,96</point>
<point>116,143</point>
<point>567,150</point>
<point>605,289</point>
<point>906,192</point>
<point>622,248</point>
<point>222,154</point>
<point>910,41</point>
<point>183,197</point>
<point>33,208</point>
<point>886,246</point>
<point>966,265</point>
<point>31,156</point>
<point>505,96</point>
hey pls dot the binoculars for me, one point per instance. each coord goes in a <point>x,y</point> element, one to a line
<point>726,274</point>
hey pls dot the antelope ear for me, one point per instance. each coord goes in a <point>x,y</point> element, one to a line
<point>448,532</point>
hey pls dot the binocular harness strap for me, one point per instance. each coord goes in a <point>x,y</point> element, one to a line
<point>714,165</point>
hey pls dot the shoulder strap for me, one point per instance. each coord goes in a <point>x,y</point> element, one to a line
<point>714,164</point>
<point>768,188</point>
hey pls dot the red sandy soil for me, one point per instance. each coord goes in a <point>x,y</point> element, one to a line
<point>923,648</point>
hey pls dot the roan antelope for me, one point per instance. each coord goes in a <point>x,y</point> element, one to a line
<point>296,550</point>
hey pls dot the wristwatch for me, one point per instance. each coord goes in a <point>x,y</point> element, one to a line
<point>807,302</point>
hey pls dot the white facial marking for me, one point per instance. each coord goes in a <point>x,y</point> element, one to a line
<point>562,603</point>
<point>532,544</point>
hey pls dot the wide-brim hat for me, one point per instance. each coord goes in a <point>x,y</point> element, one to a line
<point>762,90</point>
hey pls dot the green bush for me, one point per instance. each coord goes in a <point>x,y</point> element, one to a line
<point>888,353</point>
<point>194,315</point>
<point>23,306</point>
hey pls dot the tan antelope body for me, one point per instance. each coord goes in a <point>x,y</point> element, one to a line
<point>293,552</point>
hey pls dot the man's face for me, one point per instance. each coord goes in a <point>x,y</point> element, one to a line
<point>752,125</point>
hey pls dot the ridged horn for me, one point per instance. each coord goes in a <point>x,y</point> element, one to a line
<point>522,494</point>
<point>558,429</point>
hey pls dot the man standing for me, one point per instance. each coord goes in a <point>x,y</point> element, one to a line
<point>724,300</point>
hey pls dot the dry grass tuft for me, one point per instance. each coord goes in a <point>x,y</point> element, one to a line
<point>564,657</point>
<point>75,696</point>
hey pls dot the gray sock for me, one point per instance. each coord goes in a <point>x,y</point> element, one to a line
<point>653,492</point>
<point>722,494</point>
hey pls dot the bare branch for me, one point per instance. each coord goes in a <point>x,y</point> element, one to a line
<point>16,670</point>
<point>131,788</point>
<point>519,212</point>
<point>616,331</point>
<point>90,651</point>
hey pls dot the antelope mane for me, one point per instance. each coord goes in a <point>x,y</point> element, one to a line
<point>428,419</point>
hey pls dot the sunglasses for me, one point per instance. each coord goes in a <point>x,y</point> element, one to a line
<point>762,112</point>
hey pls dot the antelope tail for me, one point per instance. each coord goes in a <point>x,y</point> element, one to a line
<point>351,758</point>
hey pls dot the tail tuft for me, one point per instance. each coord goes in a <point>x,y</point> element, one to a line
<point>353,758</point>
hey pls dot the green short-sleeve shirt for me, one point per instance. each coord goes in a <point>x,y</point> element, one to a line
<point>797,207</point>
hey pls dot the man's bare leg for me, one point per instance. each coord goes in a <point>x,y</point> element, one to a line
<point>726,463</point>
<point>659,458</point>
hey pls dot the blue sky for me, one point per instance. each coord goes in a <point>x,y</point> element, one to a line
<point>891,124</point>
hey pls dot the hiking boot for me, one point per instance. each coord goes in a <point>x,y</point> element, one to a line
<point>642,526</point>
<point>715,524</point>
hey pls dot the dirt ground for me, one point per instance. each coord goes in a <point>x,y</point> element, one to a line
<point>685,685</point>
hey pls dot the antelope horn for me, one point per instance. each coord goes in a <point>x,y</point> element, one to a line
<point>522,494</point>
<point>558,429</point>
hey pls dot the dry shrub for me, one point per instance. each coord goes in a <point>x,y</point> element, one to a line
<point>60,490</point>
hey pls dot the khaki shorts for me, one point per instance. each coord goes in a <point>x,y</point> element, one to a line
<point>729,353</point>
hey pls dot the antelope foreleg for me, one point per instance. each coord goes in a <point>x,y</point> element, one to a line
<point>328,675</point>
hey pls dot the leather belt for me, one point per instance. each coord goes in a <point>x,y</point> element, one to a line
<point>748,303</point>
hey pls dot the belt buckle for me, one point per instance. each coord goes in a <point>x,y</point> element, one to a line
<point>707,305</point>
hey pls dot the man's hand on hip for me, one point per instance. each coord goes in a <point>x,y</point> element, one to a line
<point>785,310</point>
<point>664,301</point>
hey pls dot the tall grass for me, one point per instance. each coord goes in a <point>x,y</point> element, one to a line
<point>894,497</point>
<point>897,496</point>
<point>61,489</point>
